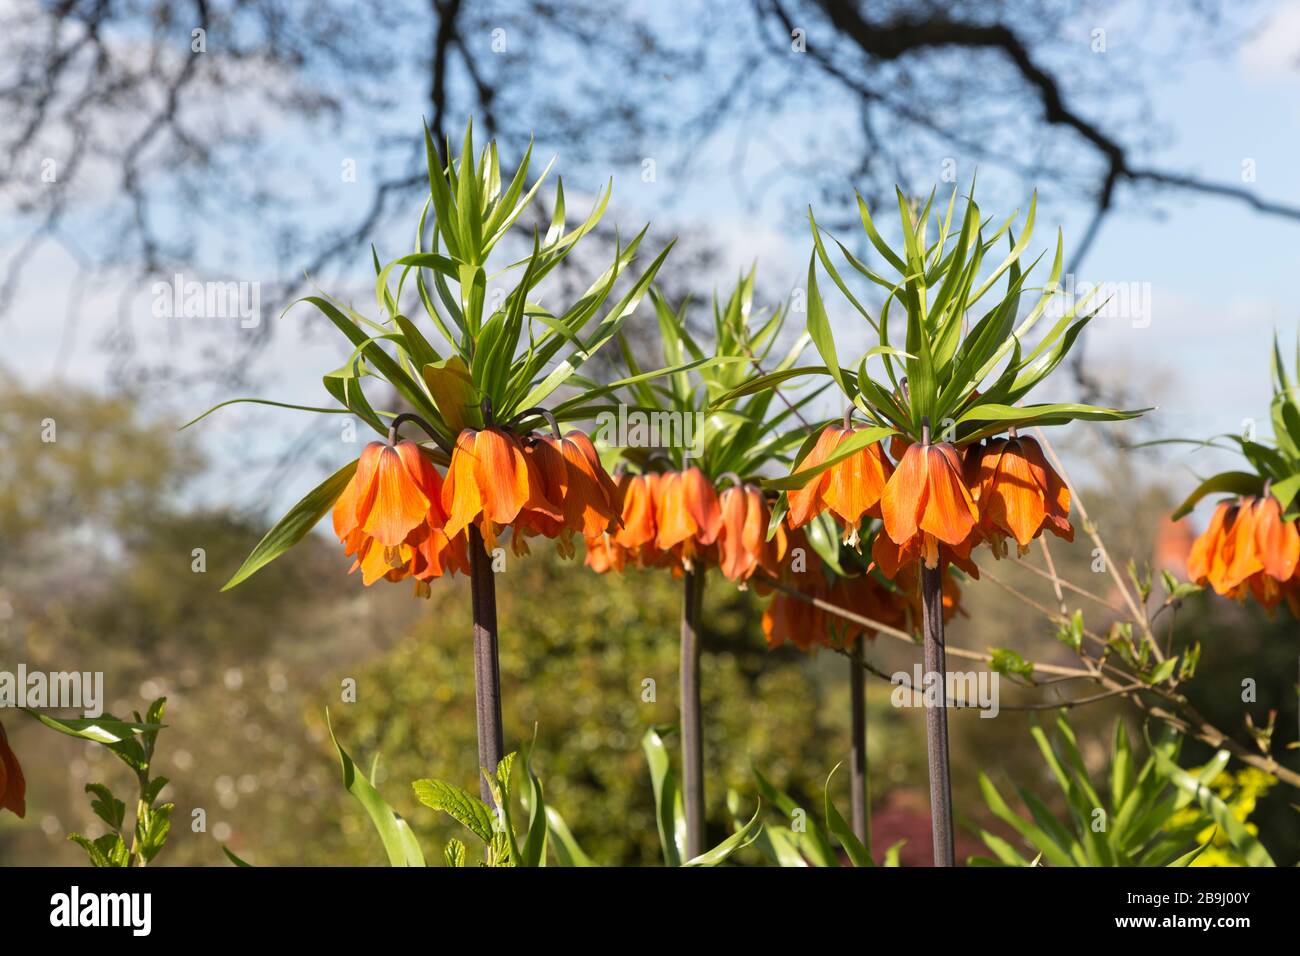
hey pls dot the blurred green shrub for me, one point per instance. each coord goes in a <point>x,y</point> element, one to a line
<point>592,663</point>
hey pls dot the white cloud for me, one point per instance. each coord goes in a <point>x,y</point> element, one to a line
<point>1274,52</point>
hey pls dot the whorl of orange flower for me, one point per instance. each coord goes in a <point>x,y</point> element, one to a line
<point>790,618</point>
<point>13,788</point>
<point>490,481</point>
<point>677,520</point>
<point>1248,548</point>
<point>390,516</point>
<point>1276,540</point>
<point>787,618</point>
<point>604,554</point>
<point>1018,494</point>
<point>743,547</point>
<point>897,559</point>
<point>849,489</point>
<point>573,478</point>
<point>632,540</point>
<point>927,499</point>
<point>638,526</point>
<point>687,516</point>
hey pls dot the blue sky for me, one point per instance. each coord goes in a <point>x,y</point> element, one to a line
<point>1220,276</point>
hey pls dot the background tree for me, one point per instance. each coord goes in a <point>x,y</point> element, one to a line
<point>274,139</point>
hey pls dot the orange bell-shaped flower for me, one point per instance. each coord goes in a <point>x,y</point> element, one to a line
<point>856,485</point>
<point>1018,492</point>
<point>637,494</point>
<point>590,497</point>
<point>634,537</point>
<point>788,618</point>
<point>490,481</point>
<point>1276,541</point>
<point>1226,555</point>
<point>849,489</point>
<point>687,514</point>
<point>577,496</point>
<point>1249,548</point>
<point>808,502</point>
<point>390,516</point>
<point>743,547</point>
<point>927,496</point>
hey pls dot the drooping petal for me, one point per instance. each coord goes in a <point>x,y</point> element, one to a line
<point>461,501</point>
<point>807,502</point>
<point>587,504</point>
<point>1014,499</point>
<point>501,474</point>
<point>1206,547</point>
<point>949,513</point>
<point>548,482</point>
<point>904,496</point>
<point>734,507</point>
<point>971,466</point>
<point>701,500</point>
<point>638,512</point>
<point>1277,541</point>
<point>584,445</point>
<point>1056,496</point>
<point>354,504</point>
<point>1244,559</point>
<point>426,478</point>
<point>399,504</point>
<point>856,484</point>
<point>673,521</point>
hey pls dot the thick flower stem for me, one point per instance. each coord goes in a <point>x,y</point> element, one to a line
<point>692,729</point>
<point>936,715</point>
<point>858,760</point>
<point>487,667</point>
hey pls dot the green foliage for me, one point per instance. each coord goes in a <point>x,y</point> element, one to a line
<point>74,458</point>
<point>1154,815</point>
<point>671,819</point>
<point>400,844</point>
<point>1240,792</point>
<point>582,677</point>
<point>477,361</point>
<point>968,383</point>
<point>742,431</point>
<point>493,825</point>
<point>294,526</point>
<point>495,830</point>
<point>134,744</point>
<point>801,840</point>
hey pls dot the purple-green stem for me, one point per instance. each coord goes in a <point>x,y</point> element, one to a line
<point>858,759</point>
<point>936,715</point>
<point>691,725</point>
<point>487,667</point>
